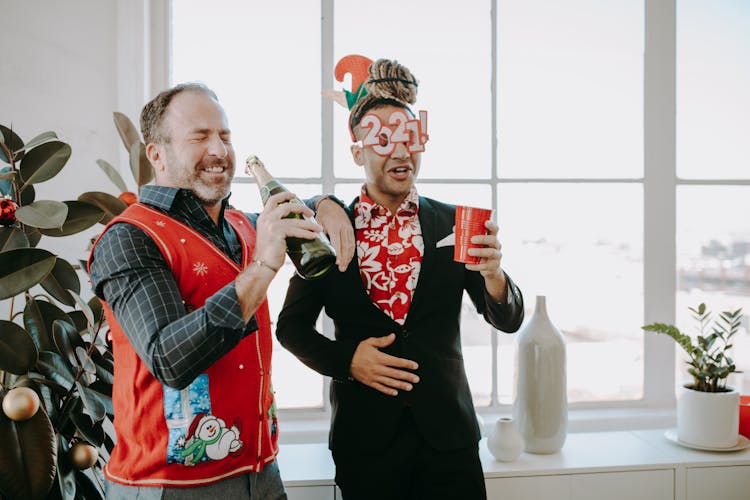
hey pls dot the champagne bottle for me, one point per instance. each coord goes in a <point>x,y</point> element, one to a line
<point>312,258</point>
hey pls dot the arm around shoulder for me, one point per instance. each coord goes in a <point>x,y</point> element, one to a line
<point>295,330</point>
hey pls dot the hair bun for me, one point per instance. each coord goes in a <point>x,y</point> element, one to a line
<point>391,80</point>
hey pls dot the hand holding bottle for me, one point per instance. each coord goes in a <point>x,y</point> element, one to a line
<point>312,257</point>
<point>273,227</point>
<point>278,222</point>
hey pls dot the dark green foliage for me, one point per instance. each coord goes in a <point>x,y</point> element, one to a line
<point>52,341</point>
<point>709,362</point>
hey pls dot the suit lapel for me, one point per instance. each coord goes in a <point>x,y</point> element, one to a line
<point>428,224</point>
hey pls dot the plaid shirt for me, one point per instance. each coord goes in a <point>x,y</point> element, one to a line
<point>129,273</point>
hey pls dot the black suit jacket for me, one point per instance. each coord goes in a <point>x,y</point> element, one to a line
<point>366,419</point>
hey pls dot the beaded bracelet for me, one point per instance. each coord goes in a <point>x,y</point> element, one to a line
<point>261,263</point>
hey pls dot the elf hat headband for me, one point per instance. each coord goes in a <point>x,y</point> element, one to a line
<point>368,78</point>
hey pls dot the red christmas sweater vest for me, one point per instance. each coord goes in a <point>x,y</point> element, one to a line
<point>224,423</point>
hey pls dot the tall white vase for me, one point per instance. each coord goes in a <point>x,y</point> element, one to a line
<point>541,406</point>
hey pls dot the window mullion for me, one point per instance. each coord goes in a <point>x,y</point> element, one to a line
<point>326,150</point>
<point>659,197</point>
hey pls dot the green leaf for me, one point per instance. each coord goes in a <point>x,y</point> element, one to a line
<point>28,456</point>
<point>44,214</point>
<point>105,399</point>
<point>81,216</point>
<point>92,431</point>
<point>84,360</point>
<point>87,312</point>
<point>79,319</point>
<point>127,131</point>
<point>142,170</point>
<point>86,487</point>
<point>102,386</point>
<point>111,206</point>
<point>66,479</point>
<point>27,196</point>
<point>62,279</point>
<point>92,402</point>
<point>56,368</point>
<point>104,368</point>
<point>113,174</point>
<point>67,340</point>
<point>44,162</point>
<point>11,237</point>
<point>38,316</point>
<point>97,310</point>
<point>32,234</point>
<point>22,268</point>
<point>12,141</point>
<point>18,353</point>
<point>43,137</point>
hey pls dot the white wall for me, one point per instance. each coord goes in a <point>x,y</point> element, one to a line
<point>58,72</point>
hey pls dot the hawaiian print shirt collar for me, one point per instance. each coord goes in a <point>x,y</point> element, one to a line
<point>367,211</point>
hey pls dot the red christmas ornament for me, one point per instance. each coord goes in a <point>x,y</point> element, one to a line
<point>7,211</point>
<point>128,197</point>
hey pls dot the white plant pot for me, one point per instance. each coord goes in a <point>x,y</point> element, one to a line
<point>708,419</point>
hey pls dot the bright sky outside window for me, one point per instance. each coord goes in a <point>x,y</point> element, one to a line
<point>568,178</point>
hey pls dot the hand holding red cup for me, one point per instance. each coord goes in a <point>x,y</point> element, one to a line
<point>470,221</point>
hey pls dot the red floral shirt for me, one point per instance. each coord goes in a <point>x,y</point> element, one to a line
<point>389,251</point>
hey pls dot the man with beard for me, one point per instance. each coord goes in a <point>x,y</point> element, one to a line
<point>183,279</point>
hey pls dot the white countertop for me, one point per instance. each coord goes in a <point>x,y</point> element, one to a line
<point>584,452</point>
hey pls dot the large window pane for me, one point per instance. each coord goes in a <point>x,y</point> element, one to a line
<point>251,54</point>
<point>296,385</point>
<point>713,262</point>
<point>477,352</point>
<point>450,58</point>
<point>581,246</point>
<point>569,106</point>
<point>570,89</point>
<point>473,195</point>
<point>713,89</point>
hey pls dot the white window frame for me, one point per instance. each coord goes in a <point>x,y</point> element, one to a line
<point>144,35</point>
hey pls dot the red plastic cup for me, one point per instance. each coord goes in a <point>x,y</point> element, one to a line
<point>469,222</point>
<point>745,416</point>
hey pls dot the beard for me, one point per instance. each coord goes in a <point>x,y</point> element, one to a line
<point>209,191</point>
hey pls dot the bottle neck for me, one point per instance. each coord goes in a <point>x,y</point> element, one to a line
<point>261,175</point>
<point>541,304</point>
<point>257,169</point>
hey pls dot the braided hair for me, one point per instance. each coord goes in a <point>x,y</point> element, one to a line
<point>389,84</point>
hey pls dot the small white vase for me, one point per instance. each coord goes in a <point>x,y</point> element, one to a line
<point>504,441</point>
<point>541,406</point>
<point>708,419</point>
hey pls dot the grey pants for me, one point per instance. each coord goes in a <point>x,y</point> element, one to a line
<point>265,485</point>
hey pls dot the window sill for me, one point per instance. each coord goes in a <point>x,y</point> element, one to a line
<point>299,428</point>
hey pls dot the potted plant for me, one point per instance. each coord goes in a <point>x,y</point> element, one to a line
<point>56,369</point>
<point>707,409</point>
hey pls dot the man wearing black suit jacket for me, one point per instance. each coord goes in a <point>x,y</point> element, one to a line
<point>403,423</point>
